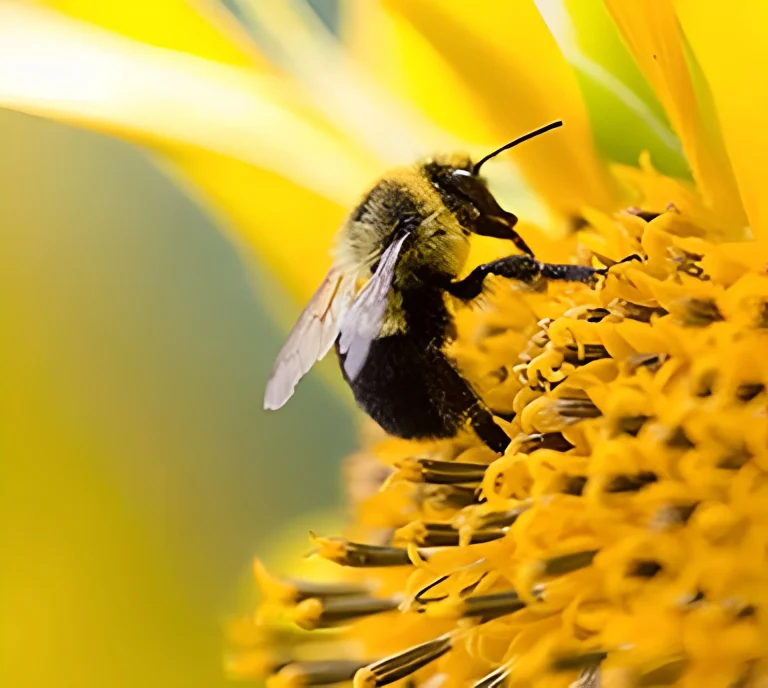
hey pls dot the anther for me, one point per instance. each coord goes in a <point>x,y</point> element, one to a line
<point>495,678</point>
<point>402,664</point>
<point>677,439</point>
<point>666,674</point>
<point>451,496</point>
<point>320,673</point>
<point>584,660</point>
<point>644,568</point>
<point>747,392</point>
<point>550,440</point>
<point>591,352</point>
<point>631,483</point>
<point>441,472</point>
<point>574,484</point>
<point>576,408</point>
<point>487,607</point>
<point>697,312</point>
<point>630,425</point>
<point>566,563</point>
<point>635,311</point>
<point>445,535</point>
<point>359,555</point>
<point>674,515</point>
<point>291,591</point>
<point>651,362</point>
<point>500,519</point>
<point>315,613</point>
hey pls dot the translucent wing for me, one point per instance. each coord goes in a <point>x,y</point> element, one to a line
<point>311,337</point>
<point>362,323</point>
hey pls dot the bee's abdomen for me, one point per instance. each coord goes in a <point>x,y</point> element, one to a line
<point>410,390</point>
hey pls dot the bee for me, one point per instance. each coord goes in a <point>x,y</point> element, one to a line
<point>407,242</point>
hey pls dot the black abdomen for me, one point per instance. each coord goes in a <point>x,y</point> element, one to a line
<point>411,388</point>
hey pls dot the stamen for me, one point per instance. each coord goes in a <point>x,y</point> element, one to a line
<point>574,484</point>
<point>585,660</point>
<point>289,591</point>
<point>693,312</point>
<point>635,311</point>
<point>500,519</point>
<point>630,425</point>
<point>666,674</point>
<point>577,408</point>
<point>550,440</point>
<point>568,562</point>
<point>644,569</point>
<point>402,664</point>
<point>646,215</point>
<point>320,673</point>
<point>445,535</point>
<point>747,392</point>
<point>419,597</point>
<point>673,515</point>
<point>451,496</point>
<point>650,362</point>
<point>590,352</point>
<point>677,439</point>
<point>495,678</point>
<point>441,472</point>
<point>315,613</point>
<point>487,607</point>
<point>589,678</point>
<point>358,555</point>
<point>631,483</point>
<point>734,459</point>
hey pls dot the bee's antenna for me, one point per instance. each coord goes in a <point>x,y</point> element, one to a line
<point>512,144</point>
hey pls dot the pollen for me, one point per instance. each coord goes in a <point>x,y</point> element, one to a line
<point>623,537</point>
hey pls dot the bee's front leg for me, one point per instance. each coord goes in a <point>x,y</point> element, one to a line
<point>523,268</point>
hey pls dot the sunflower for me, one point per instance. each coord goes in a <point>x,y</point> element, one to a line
<point>622,538</point>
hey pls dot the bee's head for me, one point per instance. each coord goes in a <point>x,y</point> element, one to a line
<point>465,193</point>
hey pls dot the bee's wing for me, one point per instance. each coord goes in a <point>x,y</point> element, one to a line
<point>362,323</point>
<point>311,337</point>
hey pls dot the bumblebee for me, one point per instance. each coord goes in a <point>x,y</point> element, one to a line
<point>407,242</point>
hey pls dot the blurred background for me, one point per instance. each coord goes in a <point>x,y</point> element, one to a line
<point>138,472</point>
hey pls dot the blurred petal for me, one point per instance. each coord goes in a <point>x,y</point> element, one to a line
<point>301,44</point>
<point>651,32</point>
<point>728,40</point>
<point>66,70</point>
<point>198,27</point>
<point>289,227</point>
<point>626,116</point>
<point>388,46</point>
<point>510,61</point>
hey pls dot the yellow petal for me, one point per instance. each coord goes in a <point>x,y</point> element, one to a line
<point>67,70</point>
<point>651,32</point>
<point>391,127</point>
<point>198,27</point>
<point>728,40</point>
<point>504,54</point>
<point>289,227</point>
<point>388,46</point>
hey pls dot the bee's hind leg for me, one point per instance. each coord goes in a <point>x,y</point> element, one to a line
<point>486,429</point>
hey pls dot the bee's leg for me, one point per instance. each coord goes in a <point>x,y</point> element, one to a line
<point>486,429</point>
<point>501,228</point>
<point>522,268</point>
